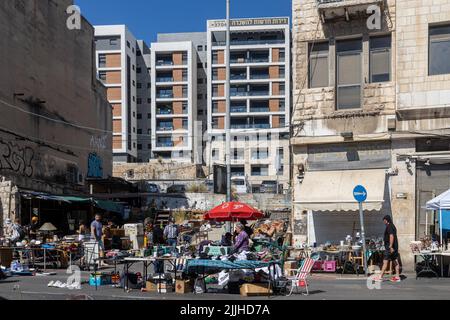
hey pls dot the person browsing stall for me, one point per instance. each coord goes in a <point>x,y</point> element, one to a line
<point>171,233</point>
<point>241,241</point>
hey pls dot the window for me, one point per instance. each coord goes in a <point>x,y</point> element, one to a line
<point>149,146</point>
<point>282,55</point>
<point>318,65</point>
<point>139,85</point>
<point>215,154</point>
<point>215,57</point>
<point>149,85</point>
<point>134,83</point>
<point>138,53</point>
<point>149,100</point>
<point>260,170</point>
<point>199,96</point>
<point>102,60</point>
<point>200,81</point>
<point>134,98</point>
<point>139,146</point>
<point>348,73</point>
<point>215,74</point>
<point>138,70</point>
<point>439,50</point>
<point>139,115</point>
<point>149,115</point>
<point>113,41</point>
<point>134,67</point>
<point>139,131</point>
<point>199,65</point>
<point>102,75</point>
<point>199,48</point>
<point>128,44</point>
<point>380,59</point>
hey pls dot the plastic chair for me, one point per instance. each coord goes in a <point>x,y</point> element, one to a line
<point>301,277</point>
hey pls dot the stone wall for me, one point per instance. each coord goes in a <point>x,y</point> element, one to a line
<point>9,202</point>
<point>316,104</point>
<point>158,170</point>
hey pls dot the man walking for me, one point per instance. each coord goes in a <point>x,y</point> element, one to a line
<point>391,250</point>
<point>97,234</point>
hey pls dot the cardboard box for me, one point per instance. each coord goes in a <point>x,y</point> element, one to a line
<point>183,286</point>
<point>289,265</point>
<point>251,290</point>
<point>158,287</point>
<point>150,286</point>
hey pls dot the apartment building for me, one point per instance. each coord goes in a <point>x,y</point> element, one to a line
<point>174,103</point>
<point>371,100</point>
<point>260,100</point>
<point>200,54</point>
<point>116,58</point>
<point>143,102</point>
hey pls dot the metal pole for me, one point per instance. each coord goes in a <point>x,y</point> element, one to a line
<point>363,236</point>
<point>227,108</point>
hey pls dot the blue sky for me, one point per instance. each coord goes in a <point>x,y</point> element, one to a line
<point>146,18</point>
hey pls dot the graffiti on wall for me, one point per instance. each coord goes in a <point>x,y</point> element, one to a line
<point>95,167</point>
<point>98,143</point>
<point>16,159</point>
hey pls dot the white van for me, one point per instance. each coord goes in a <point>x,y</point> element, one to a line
<point>239,184</point>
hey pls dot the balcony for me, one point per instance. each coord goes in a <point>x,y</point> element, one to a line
<point>259,109</point>
<point>164,95</point>
<point>250,42</point>
<point>238,76</point>
<point>164,144</point>
<point>164,111</point>
<point>238,109</point>
<point>164,79</point>
<point>345,9</point>
<point>164,63</point>
<point>164,126</point>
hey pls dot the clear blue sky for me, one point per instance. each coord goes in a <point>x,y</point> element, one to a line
<point>146,18</point>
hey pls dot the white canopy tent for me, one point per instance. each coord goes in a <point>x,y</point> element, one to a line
<point>441,202</point>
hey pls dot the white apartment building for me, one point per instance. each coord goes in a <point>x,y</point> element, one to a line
<point>174,102</point>
<point>116,51</point>
<point>260,99</point>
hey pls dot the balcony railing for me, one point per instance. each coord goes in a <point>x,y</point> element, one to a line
<point>258,93</point>
<point>164,111</point>
<point>164,79</point>
<point>238,109</point>
<point>164,95</point>
<point>259,109</point>
<point>259,76</point>
<point>244,42</point>
<point>167,144</point>
<point>162,63</point>
<point>164,128</point>
<point>238,77</point>
<point>251,126</point>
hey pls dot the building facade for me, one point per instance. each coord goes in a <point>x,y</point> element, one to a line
<point>143,102</point>
<point>174,103</point>
<point>260,100</point>
<point>371,102</point>
<point>55,128</point>
<point>116,58</point>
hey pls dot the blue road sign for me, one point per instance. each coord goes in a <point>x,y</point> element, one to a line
<point>360,193</point>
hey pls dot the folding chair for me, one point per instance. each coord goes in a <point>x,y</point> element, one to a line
<point>301,276</point>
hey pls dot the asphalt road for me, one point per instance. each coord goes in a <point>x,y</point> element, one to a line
<point>322,287</point>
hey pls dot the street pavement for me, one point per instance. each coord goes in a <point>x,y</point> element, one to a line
<point>322,287</point>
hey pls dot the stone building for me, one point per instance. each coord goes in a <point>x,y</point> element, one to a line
<point>371,104</point>
<point>55,124</point>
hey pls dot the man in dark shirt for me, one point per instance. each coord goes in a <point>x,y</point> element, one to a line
<point>391,250</point>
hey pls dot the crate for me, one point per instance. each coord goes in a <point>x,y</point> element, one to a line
<point>249,290</point>
<point>329,266</point>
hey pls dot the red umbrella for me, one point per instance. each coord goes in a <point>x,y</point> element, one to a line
<point>233,211</point>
